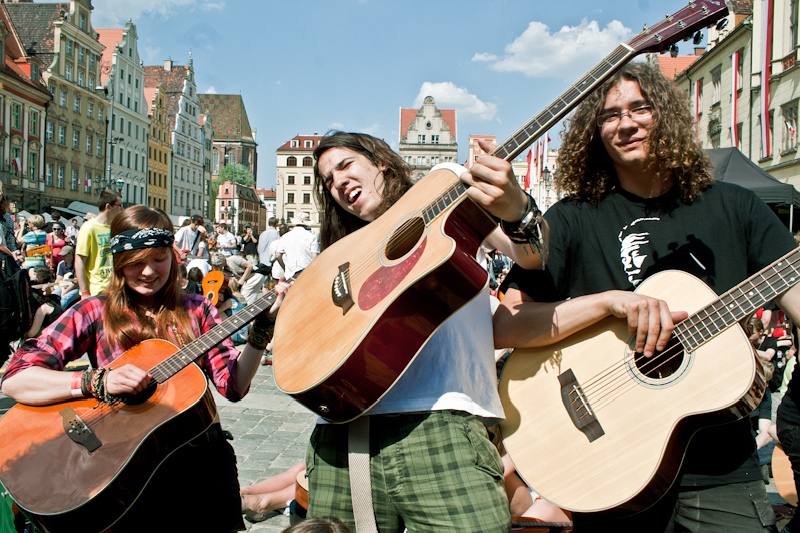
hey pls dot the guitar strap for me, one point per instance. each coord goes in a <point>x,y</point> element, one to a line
<point>360,482</point>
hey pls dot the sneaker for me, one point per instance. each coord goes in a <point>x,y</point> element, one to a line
<point>265,360</point>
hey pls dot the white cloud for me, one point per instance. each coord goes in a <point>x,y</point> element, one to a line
<point>448,96</point>
<point>567,53</point>
<point>337,126</point>
<point>114,13</point>
<point>484,57</point>
<point>211,90</point>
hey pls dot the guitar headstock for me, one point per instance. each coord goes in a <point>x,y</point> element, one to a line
<point>698,14</point>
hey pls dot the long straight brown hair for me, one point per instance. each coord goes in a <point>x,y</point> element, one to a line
<point>126,322</point>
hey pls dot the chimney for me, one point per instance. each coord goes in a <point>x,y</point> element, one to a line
<point>168,65</point>
<point>699,50</point>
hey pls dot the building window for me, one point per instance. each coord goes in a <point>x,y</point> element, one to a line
<point>306,197</point>
<point>81,53</point>
<point>33,124</point>
<point>60,178</point>
<point>76,139</point>
<point>99,114</point>
<point>91,83</point>
<point>420,160</point>
<point>68,74</point>
<point>308,162</point>
<point>62,135</point>
<point>16,158</point>
<point>82,21</point>
<point>34,71</point>
<point>49,131</point>
<point>293,144</point>
<point>90,110</point>
<point>289,215</point>
<point>434,139</point>
<point>87,182</point>
<point>80,78</point>
<point>306,180</point>
<point>716,83</point>
<point>69,47</point>
<point>48,175</point>
<point>308,144</point>
<point>91,61</point>
<point>16,116</point>
<point>99,151</point>
<point>33,162</point>
<point>789,113</point>
<point>290,180</point>
<point>434,160</point>
<point>291,161</point>
<point>290,198</point>
<point>89,144</point>
<point>62,99</point>
<point>74,182</point>
<point>421,139</point>
<point>77,105</point>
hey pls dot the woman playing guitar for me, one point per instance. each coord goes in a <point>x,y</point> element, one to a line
<point>144,301</point>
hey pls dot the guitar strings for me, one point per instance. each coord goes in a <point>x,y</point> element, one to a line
<point>605,385</point>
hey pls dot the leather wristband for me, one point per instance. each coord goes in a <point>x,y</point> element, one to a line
<point>258,338</point>
<point>521,232</point>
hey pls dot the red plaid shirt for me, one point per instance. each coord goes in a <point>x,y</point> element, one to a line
<point>80,331</point>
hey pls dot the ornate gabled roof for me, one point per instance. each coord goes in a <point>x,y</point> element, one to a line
<point>34,22</point>
<point>407,116</point>
<point>230,116</point>
<point>172,81</point>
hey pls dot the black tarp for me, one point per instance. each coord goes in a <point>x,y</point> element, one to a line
<point>731,165</point>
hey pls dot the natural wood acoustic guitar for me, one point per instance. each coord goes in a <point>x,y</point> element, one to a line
<point>365,307</point>
<point>592,426</point>
<point>79,465</point>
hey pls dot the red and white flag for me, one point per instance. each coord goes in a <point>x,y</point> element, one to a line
<point>526,184</point>
<point>17,164</point>
<point>766,58</point>
<point>735,99</point>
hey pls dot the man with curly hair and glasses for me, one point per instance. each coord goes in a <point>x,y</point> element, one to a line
<point>641,200</point>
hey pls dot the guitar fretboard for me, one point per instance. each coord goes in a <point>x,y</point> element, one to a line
<point>740,302</point>
<point>195,349</point>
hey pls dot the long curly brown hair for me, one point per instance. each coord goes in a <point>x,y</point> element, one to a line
<point>335,222</point>
<point>121,302</point>
<point>585,170</point>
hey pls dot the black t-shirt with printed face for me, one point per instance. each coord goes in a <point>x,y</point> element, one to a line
<point>723,237</point>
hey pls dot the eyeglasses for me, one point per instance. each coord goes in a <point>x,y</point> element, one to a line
<point>638,114</point>
<point>57,229</point>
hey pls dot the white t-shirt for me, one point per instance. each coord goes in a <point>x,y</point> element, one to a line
<point>224,240</point>
<point>186,237</point>
<point>299,247</point>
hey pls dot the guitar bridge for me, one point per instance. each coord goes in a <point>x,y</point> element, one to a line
<point>77,430</point>
<point>578,406</point>
<point>340,290</point>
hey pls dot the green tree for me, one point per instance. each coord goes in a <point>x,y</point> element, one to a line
<point>235,173</point>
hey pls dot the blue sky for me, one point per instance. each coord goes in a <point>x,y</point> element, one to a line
<point>306,66</point>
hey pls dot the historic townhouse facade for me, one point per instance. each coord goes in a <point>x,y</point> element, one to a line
<point>188,192</point>
<point>237,206</point>
<point>234,140</point>
<point>427,137</point>
<point>159,149</point>
<point>23,103</point>
<point>750,72</point>
<point>295,179</point>
<point>122,76</point>
<point>61,36</point>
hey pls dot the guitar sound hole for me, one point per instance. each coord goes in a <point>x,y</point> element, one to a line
<point>140,398</point>
<point>662,364</point>
<point>405,238</point>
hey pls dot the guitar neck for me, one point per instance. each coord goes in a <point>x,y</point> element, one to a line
<point>195,349</point>
<point>741,301</point>
<point>564,103</point>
